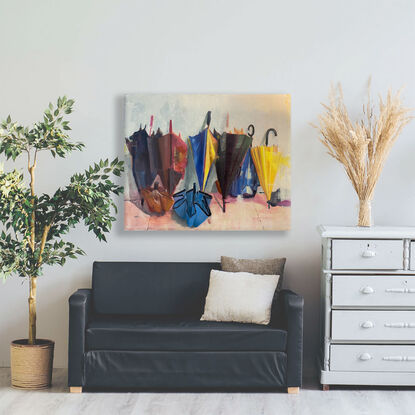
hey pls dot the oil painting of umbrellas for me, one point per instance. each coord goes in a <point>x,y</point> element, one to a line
<point>207,162</point>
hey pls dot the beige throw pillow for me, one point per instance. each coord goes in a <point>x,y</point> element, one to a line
<point>255,266</point>
<point>239,296</point>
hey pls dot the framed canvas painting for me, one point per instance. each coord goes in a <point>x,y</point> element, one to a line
<point>207,162</point>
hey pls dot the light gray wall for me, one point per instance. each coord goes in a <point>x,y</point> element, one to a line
<point>96,51</point>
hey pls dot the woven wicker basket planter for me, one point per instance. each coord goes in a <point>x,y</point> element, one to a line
<point>31,365</point>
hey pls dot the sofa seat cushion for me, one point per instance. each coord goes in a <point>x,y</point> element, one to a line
<point>135,333</point>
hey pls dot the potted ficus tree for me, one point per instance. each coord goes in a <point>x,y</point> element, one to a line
<point>33,226</point>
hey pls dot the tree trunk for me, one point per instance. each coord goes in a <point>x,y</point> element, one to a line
<point>33,219</point>
<point>32,280</point>
<point>32,310</point>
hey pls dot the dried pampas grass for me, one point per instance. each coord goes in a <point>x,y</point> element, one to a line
<point>362,146</point>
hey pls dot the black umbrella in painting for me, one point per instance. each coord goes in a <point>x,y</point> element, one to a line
<point>231,153</point>
<point>153,152</point>
<point>146,164</point>
<point>247,182</point>
<point>138,147</point>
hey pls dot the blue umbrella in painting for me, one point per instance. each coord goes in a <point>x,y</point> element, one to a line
<point>204,148</point>
<point>192,206</point>
<point>247,182</point>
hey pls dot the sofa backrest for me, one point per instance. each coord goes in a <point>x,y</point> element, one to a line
<point>151,288</point>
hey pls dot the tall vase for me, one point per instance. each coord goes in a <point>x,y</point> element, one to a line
<point>365,213</point>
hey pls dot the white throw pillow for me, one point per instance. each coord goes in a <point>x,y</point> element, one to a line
<point>240,296</point>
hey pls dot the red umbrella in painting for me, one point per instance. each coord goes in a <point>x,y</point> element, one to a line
<point>232,150</point>
<point>167,157</point>
<point>157,200</point>
<point>172,152</point>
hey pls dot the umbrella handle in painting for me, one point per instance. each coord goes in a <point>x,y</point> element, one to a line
<point>208,118</point>
<point>251,130</point>
<point>270,130</point>
<point>151,124</point>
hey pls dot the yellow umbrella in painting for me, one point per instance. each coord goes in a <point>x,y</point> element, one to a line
<point>268,161</point>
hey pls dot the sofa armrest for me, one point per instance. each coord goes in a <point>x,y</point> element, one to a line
<point>287,313</point>
<point>79,310</point>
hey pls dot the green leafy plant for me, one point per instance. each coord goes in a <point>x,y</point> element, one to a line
<point>33,225</point>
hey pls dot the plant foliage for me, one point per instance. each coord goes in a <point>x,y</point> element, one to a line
<point>34,225</point>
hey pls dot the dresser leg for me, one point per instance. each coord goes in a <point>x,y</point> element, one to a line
<point>75,389</point>
<point>325,387</point>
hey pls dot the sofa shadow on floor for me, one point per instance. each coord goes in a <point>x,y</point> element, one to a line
<point>60,380</point>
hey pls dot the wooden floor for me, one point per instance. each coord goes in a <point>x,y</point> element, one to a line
<point>310,401</point>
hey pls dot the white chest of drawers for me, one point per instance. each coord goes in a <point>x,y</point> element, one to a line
<point>367,306</point>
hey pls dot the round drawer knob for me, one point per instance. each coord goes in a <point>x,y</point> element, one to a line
<point>367,290</point>
<point>367,325</point>
<point>365,356</point>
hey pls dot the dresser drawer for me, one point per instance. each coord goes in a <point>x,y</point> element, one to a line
<point>373,325</point>
<point>412,257</point>
<point>373,290</point>
<point>371,358</point>
<point>367,254</point>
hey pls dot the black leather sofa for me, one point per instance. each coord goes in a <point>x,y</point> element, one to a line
<point>139,328</point>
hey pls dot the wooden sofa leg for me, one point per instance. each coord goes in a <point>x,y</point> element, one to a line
<point>293,390</point>
<point>325,388</point>
<point>75,389</point>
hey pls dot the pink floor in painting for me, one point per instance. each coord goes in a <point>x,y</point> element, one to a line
<point>241,215</point>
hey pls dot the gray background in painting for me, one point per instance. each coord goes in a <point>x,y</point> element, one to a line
<point>99,50</point>
<point>188,113</point>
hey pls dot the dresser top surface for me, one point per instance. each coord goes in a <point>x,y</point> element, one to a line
<point>388,232</point>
